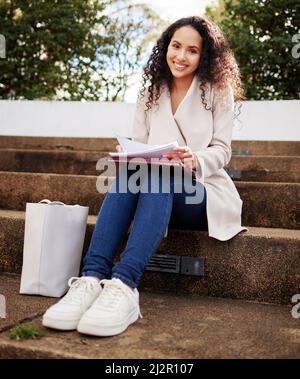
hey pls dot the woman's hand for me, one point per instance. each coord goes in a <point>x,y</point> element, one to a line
<point>119,148</point>
<point>185,154</point>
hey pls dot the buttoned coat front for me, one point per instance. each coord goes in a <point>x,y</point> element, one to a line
<point>208,133</point>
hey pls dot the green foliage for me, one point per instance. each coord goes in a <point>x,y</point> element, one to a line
<point>69,49</point>
<point>42,40</point>
<point>260,34</point>
<point>25,332</point>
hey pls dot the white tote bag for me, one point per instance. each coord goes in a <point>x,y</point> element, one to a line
<point>53,243</point>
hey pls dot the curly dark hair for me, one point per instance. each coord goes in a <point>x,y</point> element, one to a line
<point>217,64</point>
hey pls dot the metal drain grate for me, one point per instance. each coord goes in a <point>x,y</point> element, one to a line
<point>164,263</point>
<point>176,264</point>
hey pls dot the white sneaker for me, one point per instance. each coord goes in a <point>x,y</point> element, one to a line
<point>115,309</point>
<point>66,314</point>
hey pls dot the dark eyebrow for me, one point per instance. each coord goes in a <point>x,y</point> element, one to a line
<point>189,46</point>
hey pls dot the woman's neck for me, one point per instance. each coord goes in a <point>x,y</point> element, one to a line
<point>182,84</point>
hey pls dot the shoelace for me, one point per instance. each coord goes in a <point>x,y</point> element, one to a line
<point>78,288</point>
<point>111,292</point>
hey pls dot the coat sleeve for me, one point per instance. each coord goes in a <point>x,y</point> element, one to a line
<point>140,129</point>
<point>218,153</point>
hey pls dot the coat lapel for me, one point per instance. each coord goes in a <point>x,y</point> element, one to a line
<point>183,126</point>
<point>188,95</point>
<point>179,119</point>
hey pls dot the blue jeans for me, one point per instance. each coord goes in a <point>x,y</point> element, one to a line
<point>150,212</point>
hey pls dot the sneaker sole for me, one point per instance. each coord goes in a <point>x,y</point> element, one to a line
<point>59,324</point>
<point>106,331</point>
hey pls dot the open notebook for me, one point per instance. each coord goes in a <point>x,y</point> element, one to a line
<point>133,149</point>
<point>142,150</point>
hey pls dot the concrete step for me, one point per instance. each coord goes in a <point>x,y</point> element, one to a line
<point>191,328</point>
<point>284,169</point>
<point>58,143</point>
<point>265,204</point>
<point>108,144</point>
<point>261,264</point>
<point>79,162</point>
<point>273,148</point>
<point>244,168</point>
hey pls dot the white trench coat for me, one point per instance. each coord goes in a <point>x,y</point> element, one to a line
<point>208,133</point>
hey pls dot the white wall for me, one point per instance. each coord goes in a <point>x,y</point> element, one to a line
<point>65,118</point>
<point>260,120</point>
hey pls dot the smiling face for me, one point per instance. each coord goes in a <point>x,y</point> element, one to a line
<point>184,52</point>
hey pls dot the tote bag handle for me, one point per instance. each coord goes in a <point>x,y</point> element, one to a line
<point>47,201</point>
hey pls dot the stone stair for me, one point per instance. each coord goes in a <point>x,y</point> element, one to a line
<point>255,273</point>
<point>173,327</point>
<point>256,168</point>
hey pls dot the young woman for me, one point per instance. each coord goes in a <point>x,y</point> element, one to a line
<point>190,84</point>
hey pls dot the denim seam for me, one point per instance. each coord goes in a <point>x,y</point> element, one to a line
<point>155,243</point>
<point>124,279</point>
<point>167,211</point>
